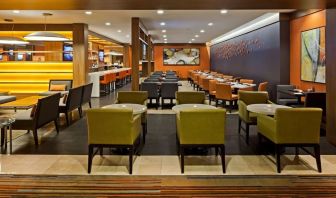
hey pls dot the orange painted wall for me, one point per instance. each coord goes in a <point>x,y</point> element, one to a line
<point>182,70</point>
<point>308,22</point>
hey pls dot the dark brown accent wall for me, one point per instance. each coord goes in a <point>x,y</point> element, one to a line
<point>266,59</point>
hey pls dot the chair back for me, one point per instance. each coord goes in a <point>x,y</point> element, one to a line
<point>248,81</point>
<point>74,99</point>
<point>133,97</point>
<point>87,91</point>
<point>151,88</point>
<point>223,91</point>
<point>263,86</point>
<point>298,125</point>
<point>281,95</point>
<point>168,89</point>
<point>205,83</point>
<point>190,97</point>
<point>111,126</point>
<point>170,80</point>
<point>253,97</point>
<point>316,99</point>
<point>201,126</point>
<point>67,83</point>
<point>47,110</point>
<point>212,85</point>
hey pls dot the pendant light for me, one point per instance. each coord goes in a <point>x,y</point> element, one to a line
<point>45,35</point>
<point>12,40</point>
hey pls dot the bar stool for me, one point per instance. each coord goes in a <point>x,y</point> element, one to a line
<point>105,82</point>
<point>112,79</point>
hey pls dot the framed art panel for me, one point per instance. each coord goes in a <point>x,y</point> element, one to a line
<point>313,60</point>
<point>181,56</point>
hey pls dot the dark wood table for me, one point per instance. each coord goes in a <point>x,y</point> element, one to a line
<point>298,94</point>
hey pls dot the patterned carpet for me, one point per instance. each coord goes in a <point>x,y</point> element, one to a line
<point>174,186</point>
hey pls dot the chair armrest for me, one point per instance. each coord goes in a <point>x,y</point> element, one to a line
<point>269,102</point>
<point>116,102</point>
<point>266,126</point>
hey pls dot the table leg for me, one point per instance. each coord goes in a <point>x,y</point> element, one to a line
<point>10,139</point>
<point>2,136</point>
<point>5,138</point>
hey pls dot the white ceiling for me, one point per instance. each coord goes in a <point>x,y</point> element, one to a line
<point>181,25</point>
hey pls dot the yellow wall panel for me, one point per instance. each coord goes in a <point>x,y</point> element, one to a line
<point>24,88</point>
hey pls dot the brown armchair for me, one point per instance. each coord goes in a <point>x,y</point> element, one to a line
<point>224,93</point>
<point>73,101</point>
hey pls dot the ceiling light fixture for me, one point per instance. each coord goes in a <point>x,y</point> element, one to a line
<point>16,11</point>
<point>224,11</point>
<point>165,42</point>
<point>202,31</point>
<point>164,36</point>
<point>210,24</point>
<point>119,31</point>
<point>192,39</point>
<point>127,35</point>
<point>165,39</point>
<point>164,31</point>
<point>108,23</point>
<point>189,42</point>
<point>196,35</point>
<point>88,12</point>
<point>12,40</point>
<point>45,35</point>
<point>160,12</point>
<point>162,23</point>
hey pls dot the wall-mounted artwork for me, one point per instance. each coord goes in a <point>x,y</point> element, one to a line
<point>181,56</point>
<point>313,60</point>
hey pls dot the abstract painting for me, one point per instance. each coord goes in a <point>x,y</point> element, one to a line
<point>313,58</point>
<point>181,56</point>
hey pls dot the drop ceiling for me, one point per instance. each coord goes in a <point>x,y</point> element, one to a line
<point>181,25</point>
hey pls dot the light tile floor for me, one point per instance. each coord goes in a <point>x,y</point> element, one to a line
<point>163,165</point>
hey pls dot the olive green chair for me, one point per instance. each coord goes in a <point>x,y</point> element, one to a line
<point>135,97</point>
<point>246,98</point>
<point>201,128</point>
<point>190,97</point>
<point>114,128</point>
<point>295,127</point>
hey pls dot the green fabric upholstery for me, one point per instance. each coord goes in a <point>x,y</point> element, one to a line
<point>112,126</point>
<point>250,97</point>
<point>190,97</point>
<point>201,126</point>
<point>134,97</point>
<point>292,126</point>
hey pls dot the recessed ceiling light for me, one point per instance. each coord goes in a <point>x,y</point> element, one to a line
<point>189,42</point>
<point>164,31</point>
<point>164,36</point>
<point>88,12</point>
<point>165,39</point>
<point>162,23</point>
<point>210,24</point>
<point>223,11</point>
<point>202,31</point>
<point>119,31</point>
<point>127,35</point>
<point>196,36</point>
<point>107,23</point>
<point>165,42</point>
<point>192,39</point>
<point>160,11</point>
<point>16,11</point>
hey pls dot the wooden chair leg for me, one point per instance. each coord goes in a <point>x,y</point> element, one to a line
<point>67,118</point>
<point>318,157</point>
<point>223,157</point>
<point>35,137</point>
<point>239,124</point>
<point>182,159</point>
<point>278,155</point>
<point>130,166</point>
<point>101,151</point>
<point>56,125</point>
<point>247,130</point>
<point>216,102</point>
<point>90,158</point>
<point>144,132</point>
<point>90,104</point>
<point>297,151</point>
<point>2,136</point>
<point>80,111</point>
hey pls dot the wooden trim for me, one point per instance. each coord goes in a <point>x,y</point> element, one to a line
<point>105,38</point>
<point>35,27</point>
<point>135,53</point>
<point>303,13</point>
<point>180,44</point>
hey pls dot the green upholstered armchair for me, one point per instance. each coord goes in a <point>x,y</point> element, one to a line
<point>135,97</point>
<point>296,127</point>
<point>246,98</point>
<point>201,128</point>
<point>112,128</point>
<point>190,97</point>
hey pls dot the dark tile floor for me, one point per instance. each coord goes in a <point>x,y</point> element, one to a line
<point>161,138</point>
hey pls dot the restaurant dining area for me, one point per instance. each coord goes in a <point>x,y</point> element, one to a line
<point>136,99</point>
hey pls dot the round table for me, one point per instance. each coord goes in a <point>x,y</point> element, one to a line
<point>137,109</point>
<point>267,109</point>
<point>5,123</point>
<point>178,108</point>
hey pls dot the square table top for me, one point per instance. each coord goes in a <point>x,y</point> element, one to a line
<point>24,103</point>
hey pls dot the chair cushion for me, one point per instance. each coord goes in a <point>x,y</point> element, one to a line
<point>57,88</point>
<point>4,99</point>
<point>23,120</point>
<point>23,115</point>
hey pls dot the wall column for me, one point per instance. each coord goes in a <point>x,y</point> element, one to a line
<point>80,54</point>
<point>331,75</point>
<point>135,53</point>
<point>149,55</point>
